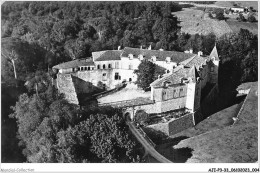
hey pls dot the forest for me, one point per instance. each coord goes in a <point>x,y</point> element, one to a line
<point>38,35</point>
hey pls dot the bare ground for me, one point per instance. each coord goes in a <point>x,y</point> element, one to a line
<point>130,92</point>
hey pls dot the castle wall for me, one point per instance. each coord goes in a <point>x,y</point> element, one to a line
<point>173,126</point>
<point>180,124</point>
<point>109,79</point>
<point>163,94</point>
<point>65,85</point>
<point>172,104</point>
<point>129,64</point>
<point>190,96</point>
<point>197,96</point>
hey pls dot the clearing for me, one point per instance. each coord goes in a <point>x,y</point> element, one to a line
<point>197,22</point>
<point>236,25</point>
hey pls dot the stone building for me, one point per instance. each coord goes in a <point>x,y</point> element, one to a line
<point>186,75</point>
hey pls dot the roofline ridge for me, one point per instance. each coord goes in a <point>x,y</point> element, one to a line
<point>158,80</point>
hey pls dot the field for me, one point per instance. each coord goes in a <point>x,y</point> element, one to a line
<point>239,3</point>
<point>235,26</point>
<point>196,22</point>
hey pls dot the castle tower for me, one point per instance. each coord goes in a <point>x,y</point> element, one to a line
<point>215,66</point>
<point>193,90</point>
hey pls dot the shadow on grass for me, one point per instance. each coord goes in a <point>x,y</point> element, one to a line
<point>180,155</point>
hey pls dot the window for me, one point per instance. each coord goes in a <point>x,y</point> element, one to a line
<point>211,69</point>
<point>130,66</point>
<point>164,97</point>
<point>117,65</point>
<point>104,76</point>
<point>168,59</point>
<point>109,66</point>
<point>116,76</point>
<point>104,66</point>
<point>174,93</point>
<point>153,58</point>
<point>88,68</point>
<point>141,57</point>
<point>131,56</point>
<point>98,66</point>
<point>85,68</point>
<point>78,68</point>
<point>181,94</point>
<point>92,68</point>
<point>130,79</point>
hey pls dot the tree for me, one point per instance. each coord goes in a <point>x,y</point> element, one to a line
<point>147,72</point>
<point>219,13</point>
<point>238,58</point>
<point>141,117</point>
<point>12,57</point>
<point>251,18</point>
<point>39,118</point>
<point>241,18</point>
<point>52,130</point>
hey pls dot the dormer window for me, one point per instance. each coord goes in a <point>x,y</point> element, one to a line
<point>168,59</point>
<point>153,58</point>
<point>131,56</point>
<point>166,84</point>
<point>141,57</point>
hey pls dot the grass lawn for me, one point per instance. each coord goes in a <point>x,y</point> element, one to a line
<point>236,25</point>
<point>232,144</point>
<point>195,22</point>
<point>216,121</point>
<point>229,4</point>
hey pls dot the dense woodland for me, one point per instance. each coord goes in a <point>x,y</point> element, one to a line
<point>38,35</point>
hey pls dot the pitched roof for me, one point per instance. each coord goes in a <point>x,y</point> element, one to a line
<point>160,55</point>
<point>75,63</point>
<point>196,61</point>
<point>214,53</point>
<point>109,55</point>
<point>96,55</point>
<point>176,76</point>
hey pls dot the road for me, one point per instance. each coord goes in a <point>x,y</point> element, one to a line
<point>148,147</point>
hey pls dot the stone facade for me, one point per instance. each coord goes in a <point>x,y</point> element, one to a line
<point>181,88</point>
<point>174,126</point>
<point>180,124</point>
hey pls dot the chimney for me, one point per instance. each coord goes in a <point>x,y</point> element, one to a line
<point>191,51</point>
<point>150,47</point>
<point>186,51</point>
<point>119,47</point>
<point>161,49</point>
<point>141,47</point>
<point>200,53</point>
